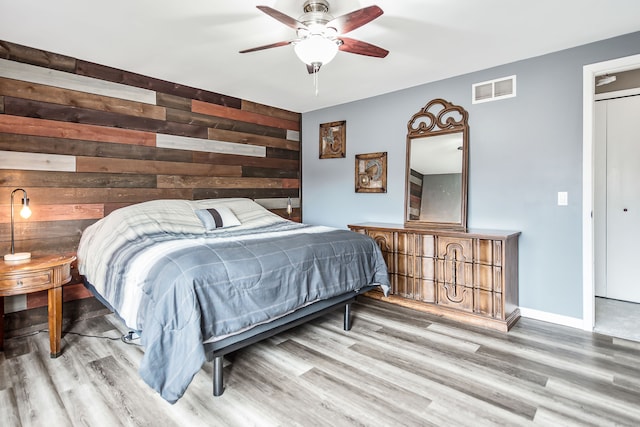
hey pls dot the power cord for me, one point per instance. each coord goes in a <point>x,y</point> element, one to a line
<point>127,338</point>
<point>30,334</point>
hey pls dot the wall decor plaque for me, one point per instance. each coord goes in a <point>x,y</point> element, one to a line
<point>371,173</point>
<point>333,140</point>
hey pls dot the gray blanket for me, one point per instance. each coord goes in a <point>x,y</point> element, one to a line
<point>225,284</point>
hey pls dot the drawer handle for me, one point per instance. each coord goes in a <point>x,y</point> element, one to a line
<point>19,283</point>
<point>452,292</point>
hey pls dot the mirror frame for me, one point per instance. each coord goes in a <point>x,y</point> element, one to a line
<point>438,117</point>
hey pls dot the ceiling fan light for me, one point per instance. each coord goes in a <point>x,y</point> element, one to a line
<point>316,49</point>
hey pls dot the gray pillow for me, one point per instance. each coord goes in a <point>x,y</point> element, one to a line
<point>217,218</point>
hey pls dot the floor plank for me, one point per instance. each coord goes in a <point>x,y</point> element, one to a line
<point>395,367</point>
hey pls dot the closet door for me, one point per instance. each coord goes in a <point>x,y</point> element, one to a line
<point>623,199</point>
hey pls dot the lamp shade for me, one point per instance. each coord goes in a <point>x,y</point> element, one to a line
<point>316,49</point>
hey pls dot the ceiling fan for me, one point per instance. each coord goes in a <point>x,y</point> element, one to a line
<point>320,35</point>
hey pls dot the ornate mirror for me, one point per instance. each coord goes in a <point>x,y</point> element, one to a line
<point>436,181</point>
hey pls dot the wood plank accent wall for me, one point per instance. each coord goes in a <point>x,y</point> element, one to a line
<point>84,139</point>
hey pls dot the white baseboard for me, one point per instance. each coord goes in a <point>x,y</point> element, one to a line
<point>558,319</point>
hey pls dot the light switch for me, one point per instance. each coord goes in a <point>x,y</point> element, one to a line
<point>563,198</point>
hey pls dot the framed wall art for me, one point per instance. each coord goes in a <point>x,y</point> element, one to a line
<point>333,140</point>
<point>371,173</point>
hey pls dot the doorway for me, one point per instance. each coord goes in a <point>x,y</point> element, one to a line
<point>590,180</point>
<point>617,196</point>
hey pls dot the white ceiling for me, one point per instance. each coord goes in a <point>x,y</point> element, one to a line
<point>196,42</point>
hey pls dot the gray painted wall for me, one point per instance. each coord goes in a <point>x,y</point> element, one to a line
<point>522,151</point>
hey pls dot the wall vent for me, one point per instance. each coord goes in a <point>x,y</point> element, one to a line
<point>493,90</point>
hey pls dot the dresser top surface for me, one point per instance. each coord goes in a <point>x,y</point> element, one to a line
<point>472,232</point>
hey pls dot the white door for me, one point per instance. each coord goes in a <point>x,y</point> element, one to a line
<point>623,199</point>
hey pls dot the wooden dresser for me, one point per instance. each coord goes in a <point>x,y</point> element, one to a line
<point>466,276</point>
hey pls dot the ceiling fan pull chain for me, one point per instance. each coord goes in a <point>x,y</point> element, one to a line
<point>316,80</point>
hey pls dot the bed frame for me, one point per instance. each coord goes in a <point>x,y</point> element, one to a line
<point>217,350</point>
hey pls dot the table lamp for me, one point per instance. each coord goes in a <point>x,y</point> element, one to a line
<point>25,212</point>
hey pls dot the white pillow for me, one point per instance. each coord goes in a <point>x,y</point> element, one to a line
<point>219,217</point>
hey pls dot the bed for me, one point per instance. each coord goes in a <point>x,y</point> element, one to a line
<point>199,279</point>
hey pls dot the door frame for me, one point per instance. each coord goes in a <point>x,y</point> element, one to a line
<point>589,73</point>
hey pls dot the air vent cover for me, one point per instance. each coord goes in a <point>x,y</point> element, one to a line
<point>493,90</point>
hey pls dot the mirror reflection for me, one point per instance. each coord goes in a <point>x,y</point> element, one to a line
<point>436,178</point>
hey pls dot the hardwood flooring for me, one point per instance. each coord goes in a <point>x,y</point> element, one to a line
<point>396,367</point>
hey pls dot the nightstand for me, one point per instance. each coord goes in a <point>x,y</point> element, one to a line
<point>33,275</point>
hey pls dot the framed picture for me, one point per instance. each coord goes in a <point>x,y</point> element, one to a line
<point>333,139</point>
<point>371,173</point>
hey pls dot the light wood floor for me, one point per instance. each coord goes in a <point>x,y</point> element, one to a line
<point>395,367</point>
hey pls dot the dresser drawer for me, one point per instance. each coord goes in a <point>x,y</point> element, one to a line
<point>384,239</point>
<point>425,290</point>
<point>405,265</point>
<point>426,268</point>
<point>488,277</point>
<point>403,286</point>
<point>27,282</point>
<point>458,297</point>
<point>406,244</point>
<point>454,272</point>
<point>455,248</point>
<point>488,252</point>
<point>488,304</point>
<point>427,243</point>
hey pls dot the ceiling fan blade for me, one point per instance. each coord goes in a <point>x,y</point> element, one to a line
<point>362,48</point>
<point>350,21</point>
<point>285,19</point>
<point>267,46</point>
